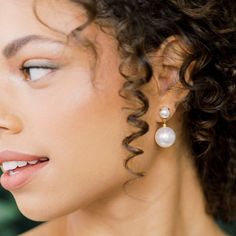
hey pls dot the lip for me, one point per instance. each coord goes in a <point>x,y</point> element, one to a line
<point>23,175</point>
<point>7,155</point>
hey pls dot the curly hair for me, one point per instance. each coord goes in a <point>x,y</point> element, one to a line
<point>209,27</point>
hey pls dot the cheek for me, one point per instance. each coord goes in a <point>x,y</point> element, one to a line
<point>89,137</point>
<point>81,131</point>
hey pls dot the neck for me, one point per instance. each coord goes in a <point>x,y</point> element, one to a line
<point>168,201</point>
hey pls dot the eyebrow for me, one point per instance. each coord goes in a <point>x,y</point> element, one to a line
<point>16,45</point>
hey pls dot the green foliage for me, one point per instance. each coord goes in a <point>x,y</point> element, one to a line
<point>12,222</point>
<point>229,228</point>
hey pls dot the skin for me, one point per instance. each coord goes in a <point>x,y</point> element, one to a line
<point>74,116</point>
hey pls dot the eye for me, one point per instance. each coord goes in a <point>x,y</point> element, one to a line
<point>35,72</point>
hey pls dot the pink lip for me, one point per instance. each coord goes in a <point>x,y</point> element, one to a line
<point>22,175</point>
<point>7,155</point>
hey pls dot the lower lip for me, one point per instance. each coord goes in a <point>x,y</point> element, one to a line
<point>22,176</point>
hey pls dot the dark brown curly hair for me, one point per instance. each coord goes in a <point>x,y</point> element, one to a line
<point>209,27</point>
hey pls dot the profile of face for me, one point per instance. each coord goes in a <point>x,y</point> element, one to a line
<point>61,100</point>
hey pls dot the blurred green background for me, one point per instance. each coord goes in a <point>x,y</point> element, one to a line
<point>12,222</point>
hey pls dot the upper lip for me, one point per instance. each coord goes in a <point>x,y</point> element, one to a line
<point>7,155</point>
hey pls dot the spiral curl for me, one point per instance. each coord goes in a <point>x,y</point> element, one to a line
<point>209,27</point>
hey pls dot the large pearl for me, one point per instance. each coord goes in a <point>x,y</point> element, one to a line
<point>165,137</point>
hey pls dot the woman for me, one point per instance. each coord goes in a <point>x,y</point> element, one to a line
<point>118,116</point>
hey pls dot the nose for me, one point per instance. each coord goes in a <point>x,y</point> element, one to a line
<point>10,123</point>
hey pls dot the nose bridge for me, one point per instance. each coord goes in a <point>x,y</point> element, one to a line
<point>9,120</point>
<point>6,93</point>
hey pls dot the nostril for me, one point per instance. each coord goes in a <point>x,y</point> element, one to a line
<point>11,123</point>
<point>3,127</point>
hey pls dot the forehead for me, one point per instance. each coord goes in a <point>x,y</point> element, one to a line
<point>17,18</point>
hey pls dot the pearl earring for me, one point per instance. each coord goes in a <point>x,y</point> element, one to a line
<point>165,136</point>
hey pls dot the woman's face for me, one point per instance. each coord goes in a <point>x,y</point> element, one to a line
<point>71,113</point>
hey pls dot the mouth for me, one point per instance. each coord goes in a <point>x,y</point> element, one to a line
<point>16,174</point>
<point>11,167</point>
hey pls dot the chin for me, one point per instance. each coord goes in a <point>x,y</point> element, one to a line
<point>39,212</point>
<point>39,215</point>
<point>42,211</point>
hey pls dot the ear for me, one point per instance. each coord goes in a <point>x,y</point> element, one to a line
<point>167,63</point>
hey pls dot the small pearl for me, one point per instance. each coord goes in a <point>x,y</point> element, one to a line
<point>165,137</point>
<point>165,112</point>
